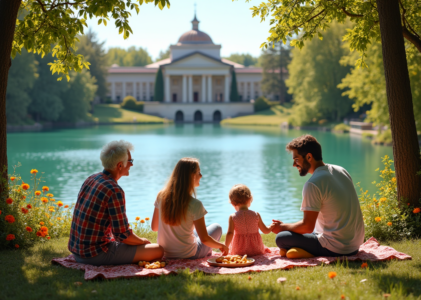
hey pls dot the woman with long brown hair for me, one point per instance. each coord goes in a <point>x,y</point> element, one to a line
<point>177,214</point>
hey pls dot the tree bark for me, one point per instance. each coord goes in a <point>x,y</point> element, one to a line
<point>406,150</point>
<point>8,14</point>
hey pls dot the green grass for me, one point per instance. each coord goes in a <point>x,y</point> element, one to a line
<point>113,113</point>
<point>28,274</point>
<point>274,116</point>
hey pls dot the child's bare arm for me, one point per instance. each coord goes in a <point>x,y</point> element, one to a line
<point>263,228</point>
<point>230,232</point>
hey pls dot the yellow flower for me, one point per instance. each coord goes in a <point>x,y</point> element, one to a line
<point>25,186</point>
<point>12,178</point>
<point>59,218</point>
<point>383,199</point>
<point>52,199</point>
<point>34,171</point>
<point>378,219</point>
<point>47,215</point>
<point>59,204</point>
<point>137,218</point>
<point>51,209</point>
<point>394,179</point>
<point>43,199</point>
<point>41,223</point>
<point>49,195</point>
<point>45,189</point>
<point>37,193</point>
<point>389,223</point>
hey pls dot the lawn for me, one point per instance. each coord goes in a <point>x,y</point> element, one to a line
<point>274,116</point>
<point>113,113</point>
<point>28,274</point>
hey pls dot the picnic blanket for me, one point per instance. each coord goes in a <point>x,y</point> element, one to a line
<point>371,250</point>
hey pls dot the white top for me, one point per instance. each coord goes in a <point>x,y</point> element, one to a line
<point>339,226</point>
<point>180,241</point>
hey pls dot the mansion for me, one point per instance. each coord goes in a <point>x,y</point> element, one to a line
<point>197,82</point>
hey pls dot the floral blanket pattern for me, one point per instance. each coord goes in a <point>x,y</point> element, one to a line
<point>369,251</point>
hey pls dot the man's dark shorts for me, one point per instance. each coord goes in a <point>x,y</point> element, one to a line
<point>118,254</point>
<point>308,242</point>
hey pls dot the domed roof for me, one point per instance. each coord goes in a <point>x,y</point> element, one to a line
<point>195,36</point>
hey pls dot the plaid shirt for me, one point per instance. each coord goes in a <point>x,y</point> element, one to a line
<point>99,216</point>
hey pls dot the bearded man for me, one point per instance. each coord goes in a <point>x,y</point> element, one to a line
<point>333,223</point>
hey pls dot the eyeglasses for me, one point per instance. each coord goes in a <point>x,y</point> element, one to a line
<point>131,160</point>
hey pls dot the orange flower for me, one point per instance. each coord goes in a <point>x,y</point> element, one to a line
<point>45,189</point>
<point>10,219</point>
<point>383,199</point>
<point>377,219</point>
<point>59,218</point>
<point>37,193</point>
<point>48,237</point>
<point>342,296</point>
<point>44,229</point>
<point>25,186</point>
<point>66,206</point>
<point>416,210</point>
<point>142,221</point>
<point>389,223</point>
<point>10,237</point>
<point>52,210</point>
<point>408,204</point>
<point>29,229</point>
<point>147,219</point>
<point>9,200</point>
<point>16,246</point>
<point>29,206</point>
<point>331,275</point>
<point>43,199</point>
<point>23,197</point>
<point>394,179</point>
<point>364,265</point>
<point>34,171</point>
<point>24,210</point>
<point>297,288</point>
<point>137,218</point>
<point>39,233</point>
<point>49,195</point>
<point>59,204</point>
<point>12,178</point>
<point>52,200</point>
<point>41,223</point>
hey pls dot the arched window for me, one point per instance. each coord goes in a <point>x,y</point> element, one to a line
<point>198,117</point>
<point>217,116</point>
<point>179,116</point>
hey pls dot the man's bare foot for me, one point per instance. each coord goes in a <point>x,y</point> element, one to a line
<point>283,252</point>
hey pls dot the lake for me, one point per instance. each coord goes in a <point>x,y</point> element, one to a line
<point>254,156</point>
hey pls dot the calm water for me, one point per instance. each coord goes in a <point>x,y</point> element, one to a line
<point>253,156</point>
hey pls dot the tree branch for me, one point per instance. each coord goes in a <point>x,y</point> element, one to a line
<point>412,38</point>
<point>315,16</point>
<point>349,14</point>
<point>42,5</point>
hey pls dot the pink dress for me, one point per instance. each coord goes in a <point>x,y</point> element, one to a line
<point>247,239</point>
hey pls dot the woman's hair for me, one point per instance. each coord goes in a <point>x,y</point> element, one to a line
<point>114,152</point>
<point>176,195</point>
<point>240,194</point>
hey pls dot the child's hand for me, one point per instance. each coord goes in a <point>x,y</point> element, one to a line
<point>224,249</point>
<point>271,226</point>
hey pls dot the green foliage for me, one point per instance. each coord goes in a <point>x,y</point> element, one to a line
<point>315,73</point>
<point>341,127</point>
<point>130,103</point>
<point>245,59</point>
<point>22,76</point>
<point>142,228</point>
<point>368,85</point>
<point>131,57</point>
<point>234,97</point>
<point>94,52</point>
<point>384,216</point>
<point>54,26</point>
<point>301,20</point>
<point>261,103</point>
<point>384,137</point>
<point>159,86</point>
<point>164,54</point>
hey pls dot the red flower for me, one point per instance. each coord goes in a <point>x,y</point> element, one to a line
<point>416,210</point>
<point>10,219</point>
<point>29,206</point>
<point>10,237</point>
<point>44,229</point>
<point>24,210</point>
<point>29,229</point>
<point>39,233</point>
<point>9,200</point>
<point>25,186</point>
<point>48,237</point>
<point>0,212</point>
<point>16,246</point>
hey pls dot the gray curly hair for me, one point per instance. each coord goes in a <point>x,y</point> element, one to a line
<point>114,152</point>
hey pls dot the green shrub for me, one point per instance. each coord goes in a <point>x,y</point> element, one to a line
<point>341,127</point>
<point>385,217</point>
<point>367,135</point>
<point>261,103</point>
<point>142,228</point>
<point>130,103</point>
<point>385,137</point>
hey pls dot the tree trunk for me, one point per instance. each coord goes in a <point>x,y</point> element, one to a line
<point>406,149</point>
<point>8,14</point>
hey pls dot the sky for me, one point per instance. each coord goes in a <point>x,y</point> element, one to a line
<point>229,24</point>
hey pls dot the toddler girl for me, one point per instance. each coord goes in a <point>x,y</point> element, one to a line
<point>243,230</point>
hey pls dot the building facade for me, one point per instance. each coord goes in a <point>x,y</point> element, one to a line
<point>197,82</point>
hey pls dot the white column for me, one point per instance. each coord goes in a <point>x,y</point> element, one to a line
<point>190,96</point>
<point>167,88</point>
<point>184,91</point>
<point>124,90</point>
<point>209,89</point>
<point>148,94</point>
<point>141,91</point>
<point>203,93</point>
<point>252,90</point>
<point>244,91</point>
<point>134,90</point>
<point>227,89</point>
<point>112,91</point>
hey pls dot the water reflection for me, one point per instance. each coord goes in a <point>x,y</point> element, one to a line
<point>254,156</point>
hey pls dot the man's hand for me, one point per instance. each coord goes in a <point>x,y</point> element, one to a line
<point>144,241</point>
<point>224,249</point>
<point>276,226</point>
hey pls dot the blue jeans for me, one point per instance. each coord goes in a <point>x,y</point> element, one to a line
<point>215,231</point>
<point>308,242</point>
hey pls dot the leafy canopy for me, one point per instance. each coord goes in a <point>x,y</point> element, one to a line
<point>54,25</point>
<point>301,20</point>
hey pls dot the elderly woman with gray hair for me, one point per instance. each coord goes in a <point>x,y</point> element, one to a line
<point>100,232</point>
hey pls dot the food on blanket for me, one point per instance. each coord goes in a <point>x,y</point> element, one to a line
<point>152,265</point>
<point>232,259</point>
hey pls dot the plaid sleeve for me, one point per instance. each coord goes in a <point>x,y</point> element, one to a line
<point>118,219</point>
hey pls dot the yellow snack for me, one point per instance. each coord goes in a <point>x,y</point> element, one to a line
<point>220,259</point>
<point>163,264</point>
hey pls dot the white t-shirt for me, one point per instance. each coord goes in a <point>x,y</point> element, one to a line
<point>180,241</point>
<point>339,226</point>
